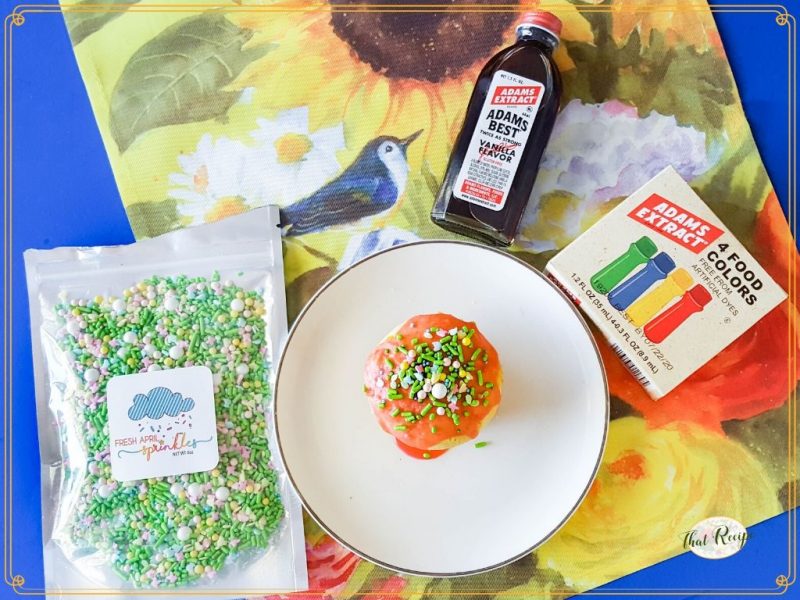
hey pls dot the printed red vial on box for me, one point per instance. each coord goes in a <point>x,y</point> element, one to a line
<point>665,281</point>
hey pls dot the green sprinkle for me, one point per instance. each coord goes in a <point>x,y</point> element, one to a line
<point>489,385</point>
<point>434,429</point>
<point>431,416</point>
<point>399,336</point>
<point>475,354</point>
<point>381,404</point>
<point>395,412</point>
<point>481,444</point>
<point>438,404</point>
<point>202,312</point>
<point>400,427</point>
<point>414,341</point>
<point>425,455</point>
<point>480,377</point>
<point>389,363</point>
<point>426,409</point>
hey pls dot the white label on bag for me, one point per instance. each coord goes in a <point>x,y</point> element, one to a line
<point>162,423</point>
<point>501,132</point>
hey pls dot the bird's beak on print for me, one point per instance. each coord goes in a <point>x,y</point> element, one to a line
<point>405,142</point>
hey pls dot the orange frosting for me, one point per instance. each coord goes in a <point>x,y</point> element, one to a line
<point>441,432</point>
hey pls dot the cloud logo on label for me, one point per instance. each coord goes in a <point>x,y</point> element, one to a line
<point>158,402</point>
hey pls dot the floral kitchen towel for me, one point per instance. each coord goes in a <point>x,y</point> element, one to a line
<point>208,113</point>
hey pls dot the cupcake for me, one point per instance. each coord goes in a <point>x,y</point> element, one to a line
<point>433,383</point>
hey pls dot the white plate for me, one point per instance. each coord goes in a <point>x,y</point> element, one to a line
<point>471,509</point>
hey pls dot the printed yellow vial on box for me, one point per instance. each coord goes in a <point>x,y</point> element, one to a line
<point>665,281</point>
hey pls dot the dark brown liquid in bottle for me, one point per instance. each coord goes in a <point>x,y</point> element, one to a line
<point>531,58</point>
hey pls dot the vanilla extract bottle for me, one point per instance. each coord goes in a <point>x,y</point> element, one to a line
<point>508,122</point>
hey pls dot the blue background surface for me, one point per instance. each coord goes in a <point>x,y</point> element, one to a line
<point>64,194</point>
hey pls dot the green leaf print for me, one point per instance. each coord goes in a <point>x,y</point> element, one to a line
<point>766,436</point>
<point>180,76</point>
<point>694,86</point>
<point>299,291</point>
<point>83,24</point>
<point>149,219</point>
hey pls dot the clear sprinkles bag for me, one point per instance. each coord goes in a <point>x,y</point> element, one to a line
<point>154,371</point>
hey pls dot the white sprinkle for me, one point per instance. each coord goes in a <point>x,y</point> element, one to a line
<point>421,395</point>
<point>456,365</point>
<point>427,335</point>
<point>193,490</point>
<point>184,533</point>
<point>242,369</point>
<point>453,331</point>
<point>437,346</point>
<point>427,386</point>
<point>440,410</point>
<point>130,337</point>
<point>104,491</point>
<point>447,362</point>
<point>411,355</point>
<point>74,328</point>
<point>379,383</point>
<point>91,375</point>
<point>176,352</point>
<point>439,390</point>
<point>149,349</point>
<point>222,494</point>
<point>237,305</point>
<point>217,378</point>
<point>441,333</point>
<point>94,468</point>
<point>152,368</point>
<point>171,303</point>
<point>468,398</point>
<point>175,489</point>
<point>119,305</point>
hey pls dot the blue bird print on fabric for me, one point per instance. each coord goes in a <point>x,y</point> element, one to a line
<point>369,186</point>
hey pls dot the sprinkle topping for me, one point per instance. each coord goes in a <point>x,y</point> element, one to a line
<point>443,373</point>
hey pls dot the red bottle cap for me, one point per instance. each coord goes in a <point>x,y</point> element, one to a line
<point>544,20</point>
<point>700,295</point>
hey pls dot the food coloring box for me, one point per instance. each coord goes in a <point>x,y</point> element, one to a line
<point>665,281</point>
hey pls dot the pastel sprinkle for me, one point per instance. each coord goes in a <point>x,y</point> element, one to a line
<point>170,531</point>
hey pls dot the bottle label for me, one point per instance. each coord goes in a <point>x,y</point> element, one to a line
<point>498,141</point>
